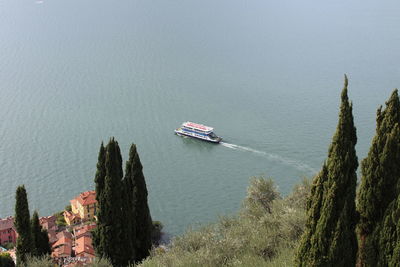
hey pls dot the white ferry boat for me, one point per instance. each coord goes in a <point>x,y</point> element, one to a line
<point>198,131</point>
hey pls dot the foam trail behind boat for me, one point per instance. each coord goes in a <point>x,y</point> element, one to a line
<point>290,162</point>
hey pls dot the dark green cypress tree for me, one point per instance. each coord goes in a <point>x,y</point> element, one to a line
<point>387,233</point>
<point>130,206</point>
<point>100,172</point>
<point>23,226</point>
<point>40,239</point>
<point>330,239</point>
<point>143,224</point>
<point>99,182</point>
<point>44,248</point>
<point>380,187</point>
<point>110,224</point>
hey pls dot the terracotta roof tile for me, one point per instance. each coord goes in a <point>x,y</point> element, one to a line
<point>62,251</point>
<point>87,198</point>
<point>62,241</point>
<point>84,245</point>
<point>52,235</point>
<point>64,234</point>
<point>84,230</point>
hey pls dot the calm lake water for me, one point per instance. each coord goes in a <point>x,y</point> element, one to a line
<point>266,74</point>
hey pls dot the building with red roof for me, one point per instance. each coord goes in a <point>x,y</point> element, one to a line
<point>84,230</point>
<point>83,208</point>
<point>63,246</point>
<point>8,234</point>
<point>48,223</point>
<point>84,247</point>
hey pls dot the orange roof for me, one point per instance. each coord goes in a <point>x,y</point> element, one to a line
<point>51,218</point>
<point>84,230</point>
<point>52,235</point>
<point>65,234</point>
<point>63,246</point>
<point>62,251</point>
<point>62,241</point>
<point>86,198</point>
<point>48,222</point>
<point>84,245</point>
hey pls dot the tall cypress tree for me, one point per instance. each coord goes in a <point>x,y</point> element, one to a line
<point>110,223</point>
<point>99,182</point>
<point>330,239</point>
<point>100,172</point>
<point>40,239</point>
<point>141,232</point>
<point>380,186</point>
<point>130,206</point>
<point>23,226</point>
<point>387,232</point>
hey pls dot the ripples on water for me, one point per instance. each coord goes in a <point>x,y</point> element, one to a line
<point>267,75</point>
<point>286,161</point>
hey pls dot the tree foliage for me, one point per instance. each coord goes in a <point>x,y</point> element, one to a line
<point>6,260</point>
<point>260,196</point>
<point>109,233</point>
<point>23,226</point>
<point>43,261</point>
<point>40,238</point>
<point>379,189</point>
<point>329,239</point>
<point>124,225</point>
<point>137,193</point>
<point>267,239</point>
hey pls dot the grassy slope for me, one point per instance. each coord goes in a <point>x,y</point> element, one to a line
<point>264,233</point>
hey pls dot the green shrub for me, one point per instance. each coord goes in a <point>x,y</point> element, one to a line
<point>156,232</point>
<point>9,245</point>
<point>60,221</point>
<point>264,233</point>
<point>6,260</point>
<point>100,263</point>
<point>40,262</point>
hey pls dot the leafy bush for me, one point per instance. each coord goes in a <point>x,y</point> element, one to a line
<point>100,263</point>
<point>6,260</point>
<point>60,221</point>
<point>9,245</point>
<point>39,262</point>
<point>156,232</point>
<point>261,193</point>
<point>264,233</point>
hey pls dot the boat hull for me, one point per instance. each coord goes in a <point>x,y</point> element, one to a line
<point>182,133</point>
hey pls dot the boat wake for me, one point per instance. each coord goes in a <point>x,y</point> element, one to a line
<point>290,162</point>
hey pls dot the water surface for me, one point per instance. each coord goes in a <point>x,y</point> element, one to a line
<point>266,74</point>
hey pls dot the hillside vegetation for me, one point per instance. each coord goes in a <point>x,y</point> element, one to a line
<point>264,233</point>
<point>321,223</point>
